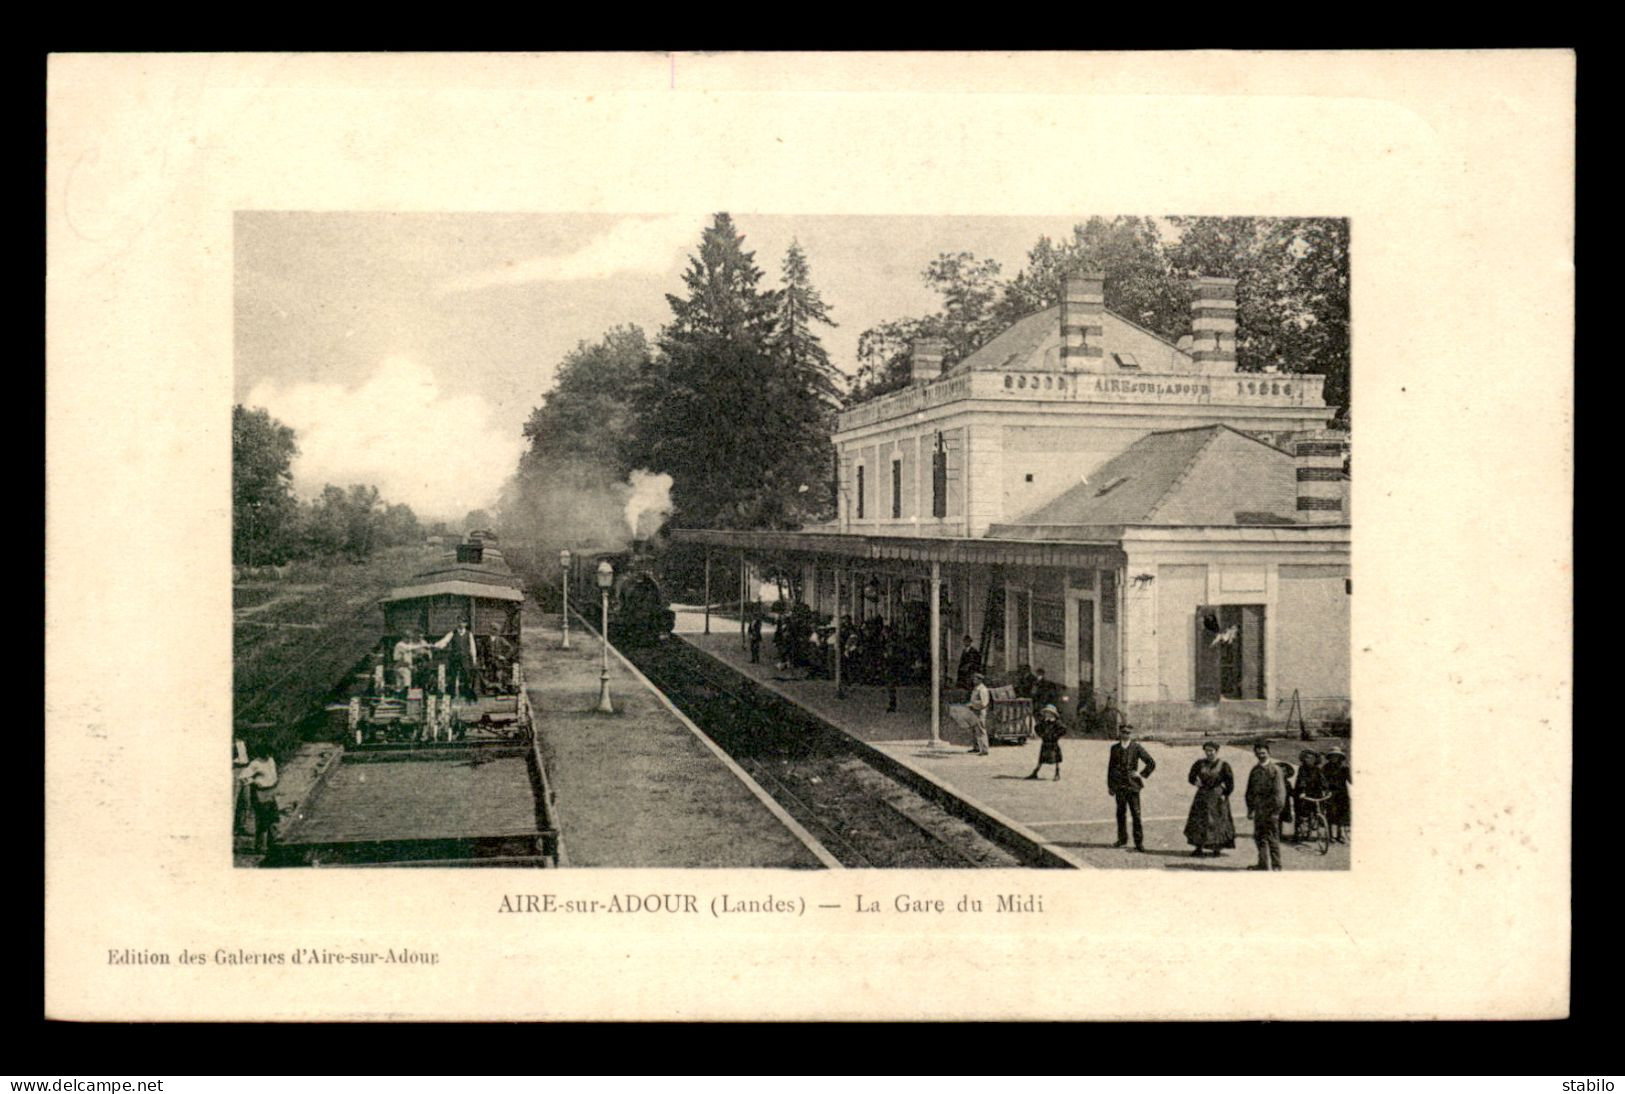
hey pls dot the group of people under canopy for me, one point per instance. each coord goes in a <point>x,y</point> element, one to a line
<point>873,651</point>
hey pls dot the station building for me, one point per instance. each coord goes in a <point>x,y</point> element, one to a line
<point>1146,523</point>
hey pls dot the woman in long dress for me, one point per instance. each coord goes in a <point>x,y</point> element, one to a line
<point>1210,826</point>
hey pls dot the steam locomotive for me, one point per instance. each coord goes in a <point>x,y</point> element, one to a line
<point>639,613</point>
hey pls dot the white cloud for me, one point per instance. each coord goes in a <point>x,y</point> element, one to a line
<point>647,245</point>
<point>438,452</point>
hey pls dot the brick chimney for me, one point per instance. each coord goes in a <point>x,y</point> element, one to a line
<point>1323,489</point>
<point>1083,310</point>
<point>925,359</point>
<point>1213,324</point>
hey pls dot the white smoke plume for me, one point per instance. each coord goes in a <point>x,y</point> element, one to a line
<point>649,503</point>
<point>582,506</point>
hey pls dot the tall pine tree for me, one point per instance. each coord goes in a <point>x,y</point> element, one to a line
<point>809,392</point>
<point>723,413</point>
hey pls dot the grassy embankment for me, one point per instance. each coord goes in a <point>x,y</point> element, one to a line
<point>295,639</point>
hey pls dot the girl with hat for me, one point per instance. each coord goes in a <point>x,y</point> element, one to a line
<point>1337,777</point>
<point>1209,826</point>
<point>1050,731</point>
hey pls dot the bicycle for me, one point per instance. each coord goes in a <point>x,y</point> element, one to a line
<point>1313,827</point>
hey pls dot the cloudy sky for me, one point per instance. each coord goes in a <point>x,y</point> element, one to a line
<point>407,350</point>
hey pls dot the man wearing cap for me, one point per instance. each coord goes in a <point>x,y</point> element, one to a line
<point>980,700</point>
<point>464,661</point>
<point>1050,731</point>
<point>1127,768</point>
<point>1266,795</point>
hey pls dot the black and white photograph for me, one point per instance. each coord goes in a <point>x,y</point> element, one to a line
<point>809,537</point>
<point>886,517</point>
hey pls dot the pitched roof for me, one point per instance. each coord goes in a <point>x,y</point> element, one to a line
<point>1017,343</point>
<point>1028,341</point>
<point>1211,474</point>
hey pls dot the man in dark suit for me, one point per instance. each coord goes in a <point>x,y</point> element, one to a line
<point>1127,768</point>
<point>463,661</point>
<point>1046,693</point>
<point>1266,796</point>
<point>896,663</point>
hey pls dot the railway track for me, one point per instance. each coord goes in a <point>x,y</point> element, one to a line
<point>862,816</point>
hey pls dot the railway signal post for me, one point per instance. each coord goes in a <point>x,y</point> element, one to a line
<point>564,584</point>
<point>606,578</point>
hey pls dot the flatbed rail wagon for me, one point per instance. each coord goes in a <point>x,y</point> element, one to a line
<point>460,803</point>
<point>439,765</point>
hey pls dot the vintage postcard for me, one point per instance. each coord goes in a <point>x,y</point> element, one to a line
<point>669,536</point>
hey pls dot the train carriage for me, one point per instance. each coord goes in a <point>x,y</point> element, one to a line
<point>429,683</point>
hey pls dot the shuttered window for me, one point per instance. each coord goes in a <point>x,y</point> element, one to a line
<point>1229,652</point>
<point>860,491</point>
<point>896,488</point>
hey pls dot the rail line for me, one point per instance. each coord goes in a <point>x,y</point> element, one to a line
<point>864,818</point>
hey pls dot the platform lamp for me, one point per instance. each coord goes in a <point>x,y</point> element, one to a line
<point>564,585</point>
<point>606,578</point>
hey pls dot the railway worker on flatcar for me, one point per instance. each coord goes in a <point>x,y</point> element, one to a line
<point>463,661</point>
<point>261,778</point>
<point>498,662</point>
<point>406,652</point>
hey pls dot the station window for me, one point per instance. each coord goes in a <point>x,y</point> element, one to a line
<point>939,480</point>
<point>1229,652</point>
<point>896,488</point>
<point>860,491</point>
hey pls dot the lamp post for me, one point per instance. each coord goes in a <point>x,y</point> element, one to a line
<point>606,578</point>
<point>564,585</point>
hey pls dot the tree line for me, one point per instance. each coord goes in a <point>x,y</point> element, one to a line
<point>270,526</point>
<point>1293,293</point>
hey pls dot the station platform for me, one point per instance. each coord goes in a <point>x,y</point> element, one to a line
<point>1073,818</point>
<point>640,787</point>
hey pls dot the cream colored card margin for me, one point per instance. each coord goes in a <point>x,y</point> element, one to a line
<point>1456,170</point>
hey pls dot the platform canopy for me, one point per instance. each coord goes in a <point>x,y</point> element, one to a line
<point>1102,554</point>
